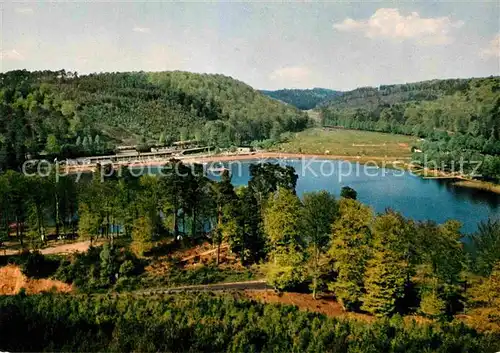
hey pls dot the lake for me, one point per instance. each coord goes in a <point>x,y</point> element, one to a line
<point>413,196</point>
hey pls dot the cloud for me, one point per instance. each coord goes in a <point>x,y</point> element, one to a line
<point>291,76</point>
<point>290,73</point>
<point>493,50</point>
<point>24,10</point>
<point>389,23</point>
<point>11,54</point>
<point>141,29</point>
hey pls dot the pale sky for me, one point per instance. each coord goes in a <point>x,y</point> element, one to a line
<point>269,45</point>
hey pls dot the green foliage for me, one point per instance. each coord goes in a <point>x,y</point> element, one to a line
<point>458,118</point>
<point>48,111</point>
<point>348,193</point>
<point>206,322</point>
<point>431,304</point>
<point>319,211</point>
<point>267,178</point>
<point>283,227</point>
<point>142,235</point>
<point>303,98</point>
<point>485,246</point>
<point>388,271</point>
<point>349,251</point>
<point>250,241</point>
<point>35,264</point>
<point>52,145</point>
<point>205,274</point>
<point>99,268</point>
<point>385,279</point>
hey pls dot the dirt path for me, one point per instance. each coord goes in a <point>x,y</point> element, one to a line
<point>81,246</point>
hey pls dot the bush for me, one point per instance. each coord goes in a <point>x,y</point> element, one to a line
<point>99,268</point>
<point>35,264</point>
<point>208,274</point>
<point>207,322</point>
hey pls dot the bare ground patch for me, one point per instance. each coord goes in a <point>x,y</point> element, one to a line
<point>12,280</point>
<point>325,305</point>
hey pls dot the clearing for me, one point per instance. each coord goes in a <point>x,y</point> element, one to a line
<point>66,248</point>
<point>349,143</point>
<point>12,280</point>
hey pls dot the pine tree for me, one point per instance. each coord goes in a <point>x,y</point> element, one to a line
<point>284,231</point>
<point>227,227</point>
<point>52,146</point>
<point>142,235</point>
<point>319,211</point>
<point>388,271</point>
<point>349,251</point>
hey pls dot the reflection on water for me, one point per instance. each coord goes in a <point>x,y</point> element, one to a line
<point>471,194</point>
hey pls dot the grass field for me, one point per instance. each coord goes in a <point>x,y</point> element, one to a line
<point>348,143</point>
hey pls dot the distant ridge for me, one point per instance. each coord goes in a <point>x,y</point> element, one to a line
<point>304,99</point>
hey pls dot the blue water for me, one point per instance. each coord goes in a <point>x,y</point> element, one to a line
<point>413,196</point>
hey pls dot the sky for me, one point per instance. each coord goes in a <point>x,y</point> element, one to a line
<point>269,45</point>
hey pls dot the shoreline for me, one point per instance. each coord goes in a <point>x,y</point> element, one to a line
<point>395,163</point>
<point>479,185</point>
<point>244,156</point>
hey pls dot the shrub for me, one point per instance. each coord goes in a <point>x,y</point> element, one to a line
<point>35,264</point>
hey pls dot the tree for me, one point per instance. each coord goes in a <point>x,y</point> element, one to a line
<point>161,139</point>
<point>388,270</point>
<point>39,202</point>
<point>485,245</point>
<point>52,145</point>
<point>249,242</point>
<point>227,212</point>
<point>431,303</point>
<point>89,222</point>
<point>349,251</point>
<point>172,184</point>
<point>142,235</point>
<point>17,197</point>
<point>267,178</point>
<point>348,193</point>
<point>108,266</point>
<point>319,211</point>
<point>284,230</point>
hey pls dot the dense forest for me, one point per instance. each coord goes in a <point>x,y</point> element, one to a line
<point>458,119</point>
<point>63,114</point>
<point>304,99</point>
<point>382,264</point>
<point>208,323</point>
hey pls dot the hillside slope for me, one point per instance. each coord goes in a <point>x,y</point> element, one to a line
<point>459,119</point>
<point>45,110</point>
<point>304,99</point>
<point>460,105</point>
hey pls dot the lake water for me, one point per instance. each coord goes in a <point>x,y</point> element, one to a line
<point>413,196</point>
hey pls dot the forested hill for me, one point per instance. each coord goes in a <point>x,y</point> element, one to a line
<point>50,111</point>
<point>459,119</point>
<point>304,99</point>
<point>458,105</point>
